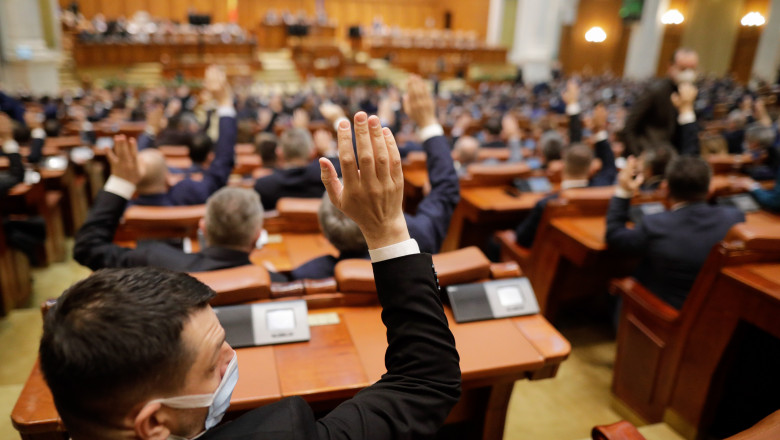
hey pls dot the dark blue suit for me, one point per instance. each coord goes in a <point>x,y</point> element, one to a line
<point>769,198</point>
<point>429,226</point>
<point>193,192</point>
<point>526,231</point>
<point>673,244</point>
<point>302,181</point>
<point>12,107</point>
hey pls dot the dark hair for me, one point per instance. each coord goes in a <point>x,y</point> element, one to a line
<point>551,144</point>
<point>21,133</point>
<point>265,146</point>
<point>688,178</point>
<point>114,339</point>
<point>200,147</point>
<point>657,158</point>
<point>493,125</point>
<point>577,160</point>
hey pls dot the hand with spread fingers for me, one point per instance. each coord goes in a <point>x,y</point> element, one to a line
<point>629,178</point>
<point>371,195</point>
<point>418,102</point>
<point>124,159</point>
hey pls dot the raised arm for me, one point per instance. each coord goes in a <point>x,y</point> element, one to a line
<point>571,96</point>
<point>422,382</point>
<point>603,149</point>
<point>619,237</point>
<point>429,226</point>
<point>688,130</point>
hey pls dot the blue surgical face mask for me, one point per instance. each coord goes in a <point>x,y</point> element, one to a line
<point>217,402</point>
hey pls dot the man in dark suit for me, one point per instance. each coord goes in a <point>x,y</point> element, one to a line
<point>673,244</point>
<point>234,219</point>
<point>140,353</point>
<point>153,187</point>
<point>430,223</point>
<point>654,118</point>
<point>577,162</point>
<point>297,173</point>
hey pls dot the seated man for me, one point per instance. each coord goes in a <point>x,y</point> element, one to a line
<point>768,198</point>
<point>140,353</point>
<point>234,220</point>
<point>429,225</point>
<point>760,140</point>
<point>297,174</point>
<point>10,149</point>
<point>654,161</point>
<point>464,153</point>
<point>673,244</point>
<point>153,186</point>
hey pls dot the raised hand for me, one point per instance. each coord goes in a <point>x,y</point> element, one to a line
<point>600,116</point>
<point>572,93</point>
<point>371,196</point>
<point>629,178</point>
<point>684,97</point>
<point>124,159</point>
<point>300,118</point>
<point>217,84</point>
<point>418,102</point>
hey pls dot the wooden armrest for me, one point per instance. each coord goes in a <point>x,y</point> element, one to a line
<point>286,290</point>
<point>237,284</point>
<point>766,429</point>
<point>631,291</point>
<point>507,241</point>
<point>621,430</point>
<point>174,150</point>
<point>460,266</point>
<point>757,237</point>
<point>509,269</point>
<point>151,216</point>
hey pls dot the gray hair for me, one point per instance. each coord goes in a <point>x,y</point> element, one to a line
<point>343,233</point>
<point>296,143</point>
<point>233,217</point>
<point>551,144</point>
<point>760,134</point>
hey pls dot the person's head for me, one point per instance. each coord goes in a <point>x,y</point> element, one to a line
<point>688,179</point>
<point>200,148</point>
<point>656,159</point>
<point>466,150</point>
<point>265,147</point>
<point>295,146</point>
<point>343,233</point>
<point>122,338</point>
<point>577,161</point>
<point>683,65</point>
<point>234,218</point>
<point>759,137</point>
<point>151,164</point>
<point>551,145</point>
<point>493,126</point>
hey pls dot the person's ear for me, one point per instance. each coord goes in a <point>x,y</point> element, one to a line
<point>202,226</point>
<point>279,154</point>
<point>150,423</point>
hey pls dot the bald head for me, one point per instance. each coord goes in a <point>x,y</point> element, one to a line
<point>466,150</point>
<point>151,163</point>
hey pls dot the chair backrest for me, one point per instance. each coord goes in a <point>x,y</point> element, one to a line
<point>160,222</point>
<point>455,267</point>
<point>171,151</point>
<point>237,284</point>
<point>294,215</point>
<point>494,174</point>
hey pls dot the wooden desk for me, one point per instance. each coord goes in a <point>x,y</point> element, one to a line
<point>286,251</point>
<point>748,293</point>
<point>482,211</point>
<point>349,356</point>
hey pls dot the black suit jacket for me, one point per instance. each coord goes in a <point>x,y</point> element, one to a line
<point>673,244</point>
<point>303,182</point>
<point>428,226</point>
<point>95,249</point>
<point>410,401</point>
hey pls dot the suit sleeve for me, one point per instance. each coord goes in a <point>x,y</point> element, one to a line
<point>688,139</point>
<point>94,245</point>
<point>191,192</point>
<point>14,174</point>
<point>422,382</point>
<point>575,128</point>
<point>145,140</point>
<point>36,150</point>
<point>429,226</point>
<point>608,172</point>
<point>526,231</point>
<point>619,237</point>
<point>770,199</point>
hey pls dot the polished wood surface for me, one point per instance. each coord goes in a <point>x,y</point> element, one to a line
<point>349,356</point>
<point>286,251</point>
<point>119,54</point>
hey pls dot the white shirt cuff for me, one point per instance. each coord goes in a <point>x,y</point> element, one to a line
<point>10,146</point>
<point>338,121</point>
<point>38,133</point>
<point>755,186</point>
<point>226,111</point>
<point>623,194</point>
<point>430,131</point>
<point>600,135</point>
<point>686,118</point>
<point>397,250</point>
<point>119,186</point>
<point>573,109</point>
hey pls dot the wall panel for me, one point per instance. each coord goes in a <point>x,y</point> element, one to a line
<point>578,55</point>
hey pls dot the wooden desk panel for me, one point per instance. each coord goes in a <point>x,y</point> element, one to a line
<point>287,251</point>
<point>253,390</point>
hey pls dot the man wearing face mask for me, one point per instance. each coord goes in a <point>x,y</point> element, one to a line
<point>139,353</point>
<point>654,119</point>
